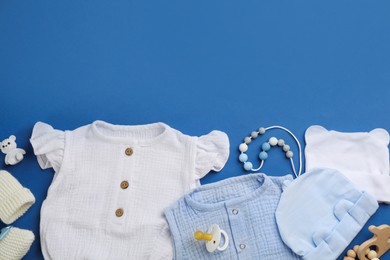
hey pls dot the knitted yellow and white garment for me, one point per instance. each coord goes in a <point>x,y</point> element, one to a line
<point>15,199</point>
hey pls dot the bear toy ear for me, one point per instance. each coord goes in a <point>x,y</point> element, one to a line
<point>12,137</point>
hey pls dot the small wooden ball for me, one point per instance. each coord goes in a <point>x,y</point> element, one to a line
<point>348,258</point>
<point>372,254</point>
<point>351,253</point>
<point>356,248</point>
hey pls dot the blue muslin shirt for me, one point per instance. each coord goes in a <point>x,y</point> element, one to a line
<point>243,206</point>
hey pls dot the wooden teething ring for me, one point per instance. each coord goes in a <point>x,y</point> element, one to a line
<point>380,240</point>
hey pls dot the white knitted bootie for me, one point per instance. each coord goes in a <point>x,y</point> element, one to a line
<point>15,200</point>
<point>15,243</point>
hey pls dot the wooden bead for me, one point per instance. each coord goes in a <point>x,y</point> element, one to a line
<point>356,248</point>
<point>351,253</point>
<point>367,251</point>
<point>372,254</point>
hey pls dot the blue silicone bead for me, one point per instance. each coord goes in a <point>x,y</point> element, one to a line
<point>263,155</point>
<point>248,166</point>
<point>266,146</point>
<point>243,157</point>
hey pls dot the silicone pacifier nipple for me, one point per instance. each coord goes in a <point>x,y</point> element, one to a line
<point>199,235</point>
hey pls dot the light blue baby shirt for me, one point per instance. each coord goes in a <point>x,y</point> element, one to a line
<point>243,206</point>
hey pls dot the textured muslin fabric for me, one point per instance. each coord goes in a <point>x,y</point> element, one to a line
<point>15,243</point>
<point>320,212</point>
<point>363,157</point>
<point>243,206</point>
<point>15,200</point>
<point>112,183</point>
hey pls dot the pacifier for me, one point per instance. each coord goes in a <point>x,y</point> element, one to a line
<point>213,238</point>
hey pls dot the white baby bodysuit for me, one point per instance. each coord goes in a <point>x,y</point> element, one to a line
<point>112,183</point>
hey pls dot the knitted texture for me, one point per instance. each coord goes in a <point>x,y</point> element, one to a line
<point>15,200</point>
<point>320,212</point>
<point>243,206</point>
<point>362,157</point>
<point>112,184</point>
<point>15,244</point>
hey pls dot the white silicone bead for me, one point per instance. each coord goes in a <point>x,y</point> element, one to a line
<point>243,148</point>
<point>273,141</point>
<point>247,140</point>
<point>289,154</point>
<point>254,134</point>
<point>261,130</point>
<point>286,148</point>
<point>280,142</point>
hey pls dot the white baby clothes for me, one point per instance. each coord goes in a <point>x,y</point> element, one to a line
<point>363,157</point>
<point>242,206</point>
<point>112,184</point>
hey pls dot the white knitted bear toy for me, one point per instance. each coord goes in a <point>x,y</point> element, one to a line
<point>13,154</point>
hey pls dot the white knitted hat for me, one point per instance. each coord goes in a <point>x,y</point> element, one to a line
<point>15,243</point>
<point>15,200</point>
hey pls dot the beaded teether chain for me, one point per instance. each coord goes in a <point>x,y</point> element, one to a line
<point>266,146</point>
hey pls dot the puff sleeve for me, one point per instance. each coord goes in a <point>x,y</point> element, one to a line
<point>212,152</point>
<point>48,145</point>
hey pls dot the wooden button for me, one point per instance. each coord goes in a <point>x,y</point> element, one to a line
<point>119,212</point>
<point>129,151</point>
<point>124,184</point>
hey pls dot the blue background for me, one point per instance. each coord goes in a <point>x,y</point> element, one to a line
<point>197,66</point>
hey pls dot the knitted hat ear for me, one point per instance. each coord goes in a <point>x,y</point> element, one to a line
<point>15,243</point>
<point>15,200</point>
